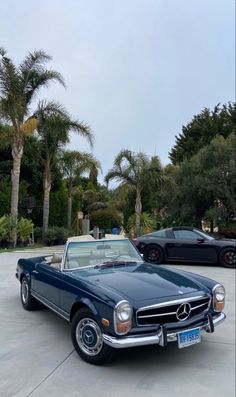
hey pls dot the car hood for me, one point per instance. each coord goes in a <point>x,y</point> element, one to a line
<point>145,282</point>
<point>229,241</point>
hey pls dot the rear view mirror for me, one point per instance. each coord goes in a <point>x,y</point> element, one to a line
<point>104,247</point>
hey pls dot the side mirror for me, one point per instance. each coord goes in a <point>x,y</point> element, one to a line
<point>200,240</point>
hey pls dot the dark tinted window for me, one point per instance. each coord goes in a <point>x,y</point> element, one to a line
<point>185,235</point>
<point>158,233</point>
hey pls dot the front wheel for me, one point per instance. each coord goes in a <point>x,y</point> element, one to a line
<point>227,257</point>
<point>87,338</point>
<point>27,300</point>
<point>153,254</point>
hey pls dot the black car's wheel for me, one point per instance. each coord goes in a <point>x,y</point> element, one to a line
<point>227,257</point>
<point>87,338</point>
<point>28,301</point>
<point>153,254</point>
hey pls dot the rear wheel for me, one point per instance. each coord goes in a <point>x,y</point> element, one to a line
<point>87,338</point>
<point>227,257</point>
<point>28,301</point>
<point>153,254</point>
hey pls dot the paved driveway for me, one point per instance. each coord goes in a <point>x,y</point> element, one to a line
<point>37,357</point>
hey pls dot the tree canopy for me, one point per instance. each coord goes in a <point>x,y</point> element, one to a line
<point>202,129</point>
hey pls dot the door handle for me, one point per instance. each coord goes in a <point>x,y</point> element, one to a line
<point>35,272</point>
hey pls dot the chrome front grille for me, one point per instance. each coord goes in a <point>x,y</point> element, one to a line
<point>168,312</point>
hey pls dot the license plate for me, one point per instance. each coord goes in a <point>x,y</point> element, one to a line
<point>189,337</point>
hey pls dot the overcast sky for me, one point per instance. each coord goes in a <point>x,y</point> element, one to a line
<point>136,70</point>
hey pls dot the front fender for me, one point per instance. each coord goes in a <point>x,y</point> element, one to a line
<point>87,302</point>
<point>98,309</point>
<point>21,272</point>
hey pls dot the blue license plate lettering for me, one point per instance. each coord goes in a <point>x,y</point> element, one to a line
<point>189,337</point>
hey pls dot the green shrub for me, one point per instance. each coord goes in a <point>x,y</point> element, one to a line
<point>38,234</point>
<point>24,229</point>
<point>56,235</point>
<point>3,228</point>
<point>8,223</point>
<point>147,224</point>
<point>49,237</point>
<point>62,234</point>
<point>106,218</point>
<point>23,226</point>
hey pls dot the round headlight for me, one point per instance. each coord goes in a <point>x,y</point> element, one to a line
<point>123,311</point>
<point>219,293</point>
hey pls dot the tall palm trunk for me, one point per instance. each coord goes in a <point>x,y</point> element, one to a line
<point>138,210</point>
<point>46,198</point>
<point>69,205</point>
<point>17,152</point>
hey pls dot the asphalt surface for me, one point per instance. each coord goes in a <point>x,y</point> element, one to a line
<point>37,356</point>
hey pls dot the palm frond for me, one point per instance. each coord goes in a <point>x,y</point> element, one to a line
<point>34,60</point>
<point>49,108</point>
<point>2,51</point>
<point>119,176</point>
<point>75,163</point>
<point>123,155</point>
<point>9,77</point>
<point>32,81</point>
<point>82,129</point>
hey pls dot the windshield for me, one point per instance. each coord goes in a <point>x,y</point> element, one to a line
<point>158,233</point>
<point>205,235</point>
<point>82,254</point>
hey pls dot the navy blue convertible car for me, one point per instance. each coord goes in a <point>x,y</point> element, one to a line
<point>114,299</point>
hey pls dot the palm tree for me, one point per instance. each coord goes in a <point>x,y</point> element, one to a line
<point>74,165</point>
<point>135,172</point>
<point>19,86</point>
<point>54,127</point>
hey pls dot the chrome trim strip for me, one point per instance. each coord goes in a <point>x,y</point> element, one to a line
<point>132,341</point>
<point>173,302</point>
<point>78,268</point>
<point>197,307</point>
<point>157,315</point>
<point>50,305</point>
<point>64,257</point>
<point>217,320</point>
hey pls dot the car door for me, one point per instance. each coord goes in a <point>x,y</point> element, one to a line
<point>46,283</point>
<point>189,245</point>
<point>72,290</point>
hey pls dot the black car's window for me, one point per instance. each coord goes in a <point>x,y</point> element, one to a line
<point>205,235</point>
<point>185,235</point>
<point>158,233</point>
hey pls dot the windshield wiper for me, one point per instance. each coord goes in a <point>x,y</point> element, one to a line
<point>109,264</point>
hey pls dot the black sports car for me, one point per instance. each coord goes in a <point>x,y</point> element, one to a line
<point>186,244</point>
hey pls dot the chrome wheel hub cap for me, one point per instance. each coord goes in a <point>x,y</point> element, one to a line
<point>89,336</point>
<point>25,292</point>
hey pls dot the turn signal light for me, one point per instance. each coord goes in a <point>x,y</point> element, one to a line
<point>105,322</point>
<point>219,306</point>
<point>122,328</point>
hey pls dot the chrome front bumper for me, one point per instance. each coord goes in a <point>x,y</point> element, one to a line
<point>160,338</point>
